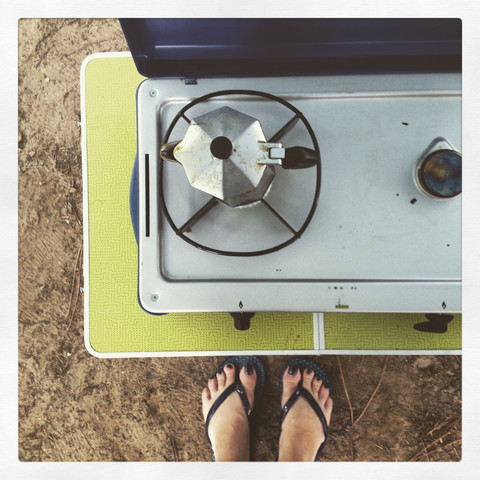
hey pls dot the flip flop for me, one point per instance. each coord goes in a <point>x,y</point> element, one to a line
<point>240,362</point>
<point>303,365</point>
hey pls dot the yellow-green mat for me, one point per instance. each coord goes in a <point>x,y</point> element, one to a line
<point>116,325</point>
<point>393,331</point>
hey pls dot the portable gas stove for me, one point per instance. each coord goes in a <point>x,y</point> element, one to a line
<point>298,165</point>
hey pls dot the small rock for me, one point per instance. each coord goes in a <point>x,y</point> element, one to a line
<point>423,363</point>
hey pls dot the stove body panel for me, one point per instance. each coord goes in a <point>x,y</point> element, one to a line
<point>375,243</point>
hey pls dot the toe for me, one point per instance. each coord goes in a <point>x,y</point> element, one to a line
<point>206,396</point>
<point>328,408</point>
<point>307,379</point>
<point>212,384</point>
<point>206,402</point>
<point>323,395</point>
<point>221,378</point>
<point>316,386</point>
<point>291,380</point>
<point>248,378</point>
<point>229,370</point>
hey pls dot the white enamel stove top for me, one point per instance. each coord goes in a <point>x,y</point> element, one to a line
<point>375,242</point>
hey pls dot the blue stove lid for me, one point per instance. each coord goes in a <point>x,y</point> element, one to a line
<point>220,47</point>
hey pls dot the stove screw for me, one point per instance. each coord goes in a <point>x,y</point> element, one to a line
<point>154,297</point>
<point>153,93</point>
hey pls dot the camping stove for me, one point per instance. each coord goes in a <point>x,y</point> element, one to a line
<point>312,192</point>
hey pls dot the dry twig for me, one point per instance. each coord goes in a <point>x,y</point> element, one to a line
<point>426,452</point>
<point>77,294</point>
<point>447,445</point>
<point>69,358</point>
<point>444,446</point>
<point>75,287</point>
<point>373,394</point>
<point>75,212</point>
<point>455,450</point>
<point>174,449</point>
<point>439,439</point>
<point>360,365</point>
<point>440,425</point>
<point>345,388</point>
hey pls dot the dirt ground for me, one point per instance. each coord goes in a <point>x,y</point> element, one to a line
<point>74,407</point>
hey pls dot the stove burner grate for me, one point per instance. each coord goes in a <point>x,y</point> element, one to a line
<point>200,213</point>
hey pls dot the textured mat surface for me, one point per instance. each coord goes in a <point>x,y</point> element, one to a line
<point>115,324</point>
<point>393,331</point>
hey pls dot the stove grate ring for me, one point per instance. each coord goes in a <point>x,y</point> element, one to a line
<point>296,234</point>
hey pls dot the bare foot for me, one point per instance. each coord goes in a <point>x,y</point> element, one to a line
<point>228,429</point>
<point>302,431</point>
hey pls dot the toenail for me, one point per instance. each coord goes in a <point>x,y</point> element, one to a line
<point>292,370</point>
<point>220,371</point>
<point>229,366</point>
<point>211,378</point>
<point>249,370</point>
<point>309,371</point>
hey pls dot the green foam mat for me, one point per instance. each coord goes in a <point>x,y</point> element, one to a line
<point>197,332</point>
<point>392,331</point>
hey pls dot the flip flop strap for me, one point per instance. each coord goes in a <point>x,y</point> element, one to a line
<point>301,392</point>
<point>235,387</point>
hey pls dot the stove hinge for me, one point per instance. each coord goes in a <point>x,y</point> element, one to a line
<point>190,75</point>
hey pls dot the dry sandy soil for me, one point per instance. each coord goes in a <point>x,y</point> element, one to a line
<point>74,407</point>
